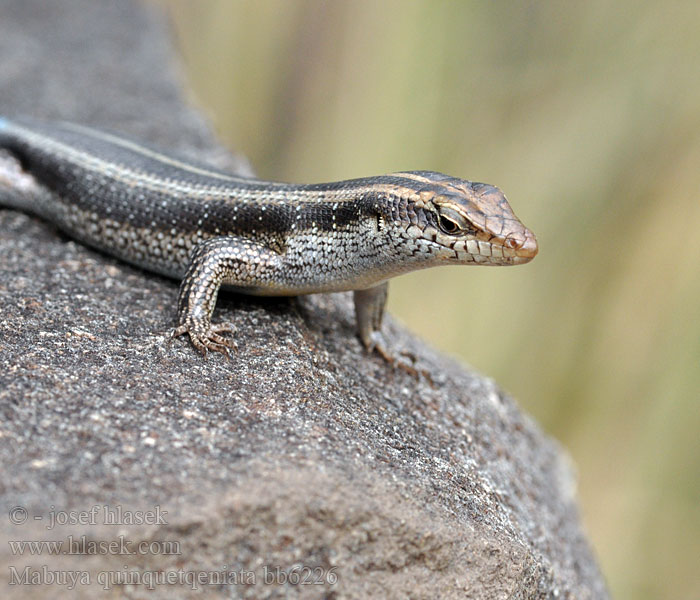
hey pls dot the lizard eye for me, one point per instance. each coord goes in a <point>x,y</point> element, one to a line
<point>448,225</point>
<point>451,222</point>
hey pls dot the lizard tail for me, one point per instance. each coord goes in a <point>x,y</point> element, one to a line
<point>18,189</point>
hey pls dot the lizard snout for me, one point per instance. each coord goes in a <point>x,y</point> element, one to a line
<point>524,244</point>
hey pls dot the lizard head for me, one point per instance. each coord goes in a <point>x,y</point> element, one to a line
<point>464,222</point>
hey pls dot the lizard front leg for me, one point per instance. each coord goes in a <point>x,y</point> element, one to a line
<point>221,260</point>
<point>369,311</point>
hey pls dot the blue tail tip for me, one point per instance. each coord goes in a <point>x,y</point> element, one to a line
<point>3,122</point>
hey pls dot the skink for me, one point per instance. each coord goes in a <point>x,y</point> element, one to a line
<point>210,229</point>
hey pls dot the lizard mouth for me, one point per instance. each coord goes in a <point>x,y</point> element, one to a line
<point>510,251</point>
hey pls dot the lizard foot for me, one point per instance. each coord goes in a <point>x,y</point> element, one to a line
<point>205,336</point>
<point>405,361</point>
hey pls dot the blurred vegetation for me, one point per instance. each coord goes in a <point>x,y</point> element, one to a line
<point>588,116</point>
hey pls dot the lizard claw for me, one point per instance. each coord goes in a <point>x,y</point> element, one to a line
<point>205,336</point>
<point>404,361</point>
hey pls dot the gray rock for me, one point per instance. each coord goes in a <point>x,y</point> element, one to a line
<point>299,453</point>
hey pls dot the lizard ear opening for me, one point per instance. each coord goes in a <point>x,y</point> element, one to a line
<point>381,225</point>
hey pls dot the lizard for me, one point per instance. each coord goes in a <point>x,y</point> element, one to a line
<point>211,229</point>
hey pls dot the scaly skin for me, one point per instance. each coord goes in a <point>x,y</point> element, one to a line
<point>213,229</point>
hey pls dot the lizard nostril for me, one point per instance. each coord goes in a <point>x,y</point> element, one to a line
<point>527,248</point>
<point>513,243</point>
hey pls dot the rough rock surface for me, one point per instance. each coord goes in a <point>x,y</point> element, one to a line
<point>301,459</point>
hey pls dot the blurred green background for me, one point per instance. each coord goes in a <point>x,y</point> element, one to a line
<point>588,116</point>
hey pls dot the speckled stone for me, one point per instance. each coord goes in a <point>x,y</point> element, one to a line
<point>300,451</point>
